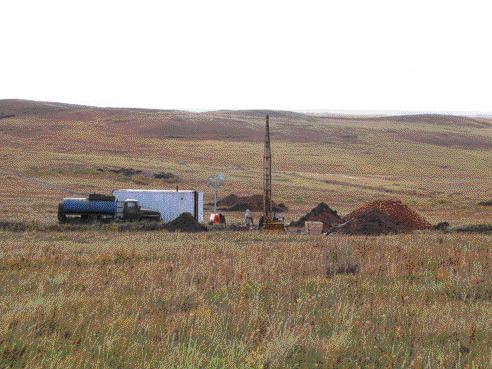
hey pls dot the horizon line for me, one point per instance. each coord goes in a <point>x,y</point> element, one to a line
<point>348,112</point>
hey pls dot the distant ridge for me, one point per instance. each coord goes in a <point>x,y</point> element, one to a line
<point>248,125</point>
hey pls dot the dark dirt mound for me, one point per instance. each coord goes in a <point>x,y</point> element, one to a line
<point>485,203</point>
<point>383,217</point>
<point>186,223</point>
<point>228,200</point>
<point>321,213</point>
<point>130,172</point>
<point>169,177</point>
<point>241,203</point>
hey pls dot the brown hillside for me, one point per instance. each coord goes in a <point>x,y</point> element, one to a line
<point>243,125</point>
<point>50,150</point>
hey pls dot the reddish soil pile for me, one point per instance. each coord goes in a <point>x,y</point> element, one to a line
<point>241,203</point>
<point>383,217</point>
<point>321,213</point>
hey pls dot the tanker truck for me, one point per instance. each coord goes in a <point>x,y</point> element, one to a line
<point>103,208</point>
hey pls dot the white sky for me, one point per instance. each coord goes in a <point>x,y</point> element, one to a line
<point>415,55</point>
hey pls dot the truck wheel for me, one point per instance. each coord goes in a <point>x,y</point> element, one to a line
<point>61,214</point>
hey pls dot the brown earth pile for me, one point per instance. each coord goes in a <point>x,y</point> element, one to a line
<point>383,217</point>
<point>321,213</point>
<point>186,223</point>
<point>228,200</point>
<point>241,203</point>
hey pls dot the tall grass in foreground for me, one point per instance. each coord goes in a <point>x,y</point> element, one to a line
<point>244,300</point>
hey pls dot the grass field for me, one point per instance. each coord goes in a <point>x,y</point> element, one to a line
<point>240,300</point>
<point>102,298</point>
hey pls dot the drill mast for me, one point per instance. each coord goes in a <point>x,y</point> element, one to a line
<point>269,223</point>
<point>267,175</point>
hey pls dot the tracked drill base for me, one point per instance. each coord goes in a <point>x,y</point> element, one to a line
<point>274,226</point>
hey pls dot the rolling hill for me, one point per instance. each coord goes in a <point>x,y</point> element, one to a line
<point>247,125</point>
<point>439,163</point>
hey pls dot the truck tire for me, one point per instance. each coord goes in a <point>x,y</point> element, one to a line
<point>61,213</point>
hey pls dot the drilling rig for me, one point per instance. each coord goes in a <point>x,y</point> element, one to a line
<point>269,222</point>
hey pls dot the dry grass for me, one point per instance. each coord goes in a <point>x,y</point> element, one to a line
<point>85,297</point>
<point>244,300</point>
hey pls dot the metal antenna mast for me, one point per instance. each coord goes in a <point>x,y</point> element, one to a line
<point>267,175</point>
<point>216,182</point>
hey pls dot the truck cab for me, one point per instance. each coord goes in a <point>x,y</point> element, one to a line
<point>132,211</point>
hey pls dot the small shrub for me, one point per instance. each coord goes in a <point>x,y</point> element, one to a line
<point>12,357</point>
<point>475,228</point>
<point>339,261</point>
<point>485,203</point>
<point>345,268</point>
<point>443,226</point>
<point>14,226</point>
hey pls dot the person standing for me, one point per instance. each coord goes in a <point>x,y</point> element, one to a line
<point>248,219</point>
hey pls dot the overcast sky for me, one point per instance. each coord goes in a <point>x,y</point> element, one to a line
<point>420,55</point>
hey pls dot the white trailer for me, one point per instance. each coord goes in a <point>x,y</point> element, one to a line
<point>171,204</point>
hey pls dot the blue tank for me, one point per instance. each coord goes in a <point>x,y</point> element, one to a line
<point>85,206</point>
